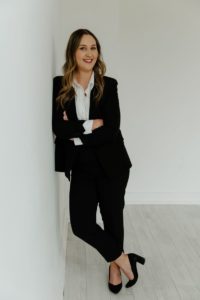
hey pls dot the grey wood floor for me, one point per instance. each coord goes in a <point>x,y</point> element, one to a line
<point>168,236</point>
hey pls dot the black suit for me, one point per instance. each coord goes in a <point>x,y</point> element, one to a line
<point>100,169</point>
<point>107,140</point>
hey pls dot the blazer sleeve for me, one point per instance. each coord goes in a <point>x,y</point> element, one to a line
<point>111,117</point>
<point>61,128</point>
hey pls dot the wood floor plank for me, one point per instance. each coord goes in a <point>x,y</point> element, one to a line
<point>180,237</point>
<point>121,296</point>
<point>168,293</point>
<point>96,278</point>
<point>146,292</point>
<point>155,269</point>
<point>179,225</point>
<point>189,293</point>
<point>75,279</point>
<point>166,235</point>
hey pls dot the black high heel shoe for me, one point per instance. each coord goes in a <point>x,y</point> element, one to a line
<point>115,288</point>
<point>134,258</point>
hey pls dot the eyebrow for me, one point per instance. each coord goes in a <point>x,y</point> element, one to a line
<point>86,45</point>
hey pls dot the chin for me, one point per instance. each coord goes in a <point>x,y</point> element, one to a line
<point>87,69</point>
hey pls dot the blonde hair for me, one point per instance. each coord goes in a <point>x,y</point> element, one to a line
<point>67,91</point>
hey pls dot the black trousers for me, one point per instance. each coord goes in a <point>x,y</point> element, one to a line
<point>89,187</point>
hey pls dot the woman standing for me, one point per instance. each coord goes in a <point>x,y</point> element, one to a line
<point>90,150</point>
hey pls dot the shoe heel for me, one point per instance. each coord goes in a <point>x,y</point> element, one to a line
<point>140,259</point>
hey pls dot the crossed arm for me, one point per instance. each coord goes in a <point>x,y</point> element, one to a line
<point>89,126</point>
<point>96,122</point>
<point>103,130</point>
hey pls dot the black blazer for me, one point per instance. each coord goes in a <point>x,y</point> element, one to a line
<point>107,140</point>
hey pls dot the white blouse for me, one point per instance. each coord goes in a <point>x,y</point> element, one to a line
<point>82,103</point>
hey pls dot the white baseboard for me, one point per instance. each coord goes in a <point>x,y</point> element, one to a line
<point>162,198</point>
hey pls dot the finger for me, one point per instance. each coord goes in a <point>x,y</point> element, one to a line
<point>65,115</point>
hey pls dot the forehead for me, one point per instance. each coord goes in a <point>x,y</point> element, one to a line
<point>87,39</point>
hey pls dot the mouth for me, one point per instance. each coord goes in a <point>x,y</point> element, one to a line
<point>88,61</point>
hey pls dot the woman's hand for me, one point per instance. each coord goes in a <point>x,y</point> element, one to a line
<point>97,123</point>
<point>65,117</point>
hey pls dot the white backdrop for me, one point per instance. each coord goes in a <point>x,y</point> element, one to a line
<point>152,48</point>
<point>31,244</point>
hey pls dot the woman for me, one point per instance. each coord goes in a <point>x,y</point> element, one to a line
<point>90,150</point>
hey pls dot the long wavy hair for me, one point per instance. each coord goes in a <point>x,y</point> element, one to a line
<point>67,91</point>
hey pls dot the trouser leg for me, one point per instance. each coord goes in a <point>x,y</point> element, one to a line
<point>111,192</point>
<point>83,200</point>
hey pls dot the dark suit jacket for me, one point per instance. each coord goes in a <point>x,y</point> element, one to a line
<point>107,140</point>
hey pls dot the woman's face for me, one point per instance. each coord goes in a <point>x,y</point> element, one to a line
<point>87,53</point>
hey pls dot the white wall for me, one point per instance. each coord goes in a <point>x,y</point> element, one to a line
<point>31,246</point>
<point>152,48</point>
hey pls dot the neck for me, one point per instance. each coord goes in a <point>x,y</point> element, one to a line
<point>83,77</point>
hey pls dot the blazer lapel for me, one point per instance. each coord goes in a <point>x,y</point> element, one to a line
<point>94,111</point>
<point>92,108</point>
<point>71,109</point>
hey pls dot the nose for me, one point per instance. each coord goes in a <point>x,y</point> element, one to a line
<point>89,53</point>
